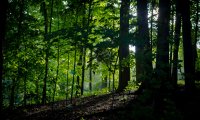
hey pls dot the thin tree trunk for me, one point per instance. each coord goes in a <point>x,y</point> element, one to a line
<point>124,65</point>
<point>78,86</point>
<point>47,53</point>
<point>25,84</point>
<point>84,48</point>
<point>152,8</point>
<point>75,51</point>
<point>196,31</point>
<point>57,71</point>
<point>109,78</point>
<point>171,42</point>
<point>74,71</point>
<point>176,45</point>
<point>83,70</point>
<point>67,77</point>
<point>58,58</point>
<point>90,84</point>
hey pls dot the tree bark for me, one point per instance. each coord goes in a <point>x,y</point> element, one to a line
<point>176,45</point>
<point>90,73</point>
<point>189,61</point>
<point>162,56</point>
<point>196,31</point>
<point>143,48</point>
<point>124,67</point>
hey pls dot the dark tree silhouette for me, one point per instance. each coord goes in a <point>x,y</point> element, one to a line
<point>124,68</point>
<point>189,62</point>
<point>143,48</point>
<point>3,9</point>
<point>162,56</point>
<point>176,44</point>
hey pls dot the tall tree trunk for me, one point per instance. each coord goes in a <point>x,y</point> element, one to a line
<point>124,65</point>
<point>84,48</point>
<point>83,70</point>
<point>176,45</point>
<point>143,47</point>
<point>17,45</point>
<point>196,31</point>
<point>67,77</point>
<point>90,74</point>
<point>47,53</point>
<point>25,83</point>
<point>189,66</point>
<point>75,51</point>
<point>3,11</point>
<point>57,71</point>
<point>152,8</point>
<point>78,77</point>
<point>171,41</point>
<point>74,71</point>
<point>162,57</point>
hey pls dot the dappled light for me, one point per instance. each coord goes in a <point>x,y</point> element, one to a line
<point>99,60</point>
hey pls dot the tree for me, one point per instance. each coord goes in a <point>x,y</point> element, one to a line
<point>143,48</point>
<point>196,30</point>
<point>3,11</point>
<point>176,44</point>
<point>18,38</point>
<point>44,8</point>
<point>162,56</point>
<point>124,68</point>
<point>189,61</point>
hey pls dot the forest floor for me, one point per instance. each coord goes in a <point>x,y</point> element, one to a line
<point>108,107</point>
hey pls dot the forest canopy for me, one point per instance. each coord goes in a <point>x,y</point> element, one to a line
<point>55,50</point>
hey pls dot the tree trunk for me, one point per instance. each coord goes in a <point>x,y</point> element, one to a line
<point>90,84</point>
<point>152,8</point>
<point>176,45</point>
<point>57,71</point>
<point>78,77</point>
<point>196,31</point>
<point>171,41</point>
<point>162,57</point>
<point>25,83</point>
<point>83,70</point>
<point>67,77</point>
<point>3,10</point>
<point>84,48</point>
<point>143,48</point>
<point>124,65</point>
<point>75,51</point>
<point>189,66</point>
<point>17,45</point>
<point>104,82</point>
<point>47,53</point>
